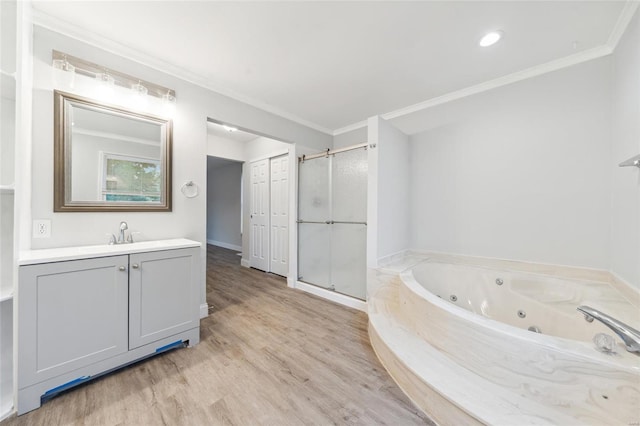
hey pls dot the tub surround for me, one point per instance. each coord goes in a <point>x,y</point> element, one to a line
<point>494,373</point>
<point>399,262</point>
<point>435,383</point>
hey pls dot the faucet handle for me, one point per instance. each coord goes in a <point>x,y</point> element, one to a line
<point>130,237</point>
<point>112,238</point>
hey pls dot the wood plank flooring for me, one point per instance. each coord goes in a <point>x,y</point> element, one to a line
<point>268,355</point>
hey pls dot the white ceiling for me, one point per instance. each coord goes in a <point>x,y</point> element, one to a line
<point>336,63</point>
<point>236,136</point>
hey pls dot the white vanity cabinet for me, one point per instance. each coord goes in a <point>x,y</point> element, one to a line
<point>71,314</point>
<point>86,311</point>
<point>162,301</point>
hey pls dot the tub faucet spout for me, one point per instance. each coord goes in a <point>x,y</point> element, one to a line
<point>630,336</point>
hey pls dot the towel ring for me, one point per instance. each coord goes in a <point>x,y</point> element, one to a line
<point>189,189</point>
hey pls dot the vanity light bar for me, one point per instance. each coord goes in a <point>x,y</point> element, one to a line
<point>92,70</point>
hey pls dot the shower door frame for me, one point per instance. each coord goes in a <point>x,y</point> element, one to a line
<point>318,289</point>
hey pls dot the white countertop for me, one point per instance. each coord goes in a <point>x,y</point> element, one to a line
<point>31,257</point>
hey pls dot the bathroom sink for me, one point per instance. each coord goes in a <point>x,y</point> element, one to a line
<point>28,257</point>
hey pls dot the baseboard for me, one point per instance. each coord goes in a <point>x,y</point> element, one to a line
<point>390,257</point>
<point>245,263</point>
<point>224,245</point>
<point>7,412</point>
<point>333,296</point>
<point>204,310</point>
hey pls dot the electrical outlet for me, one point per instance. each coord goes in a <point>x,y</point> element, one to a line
<point>41,228</point>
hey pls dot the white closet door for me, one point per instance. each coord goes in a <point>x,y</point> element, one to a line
<point>259,214</point>
<point>280,215</point>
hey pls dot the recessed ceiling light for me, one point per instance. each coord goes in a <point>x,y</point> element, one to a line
<point>490,38</point>
<point>229,128</point>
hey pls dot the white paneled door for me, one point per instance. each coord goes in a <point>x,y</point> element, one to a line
<point>280,215</point>
<point>259,215</point>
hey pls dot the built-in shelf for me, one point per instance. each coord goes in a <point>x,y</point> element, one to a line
<point>7,189</point>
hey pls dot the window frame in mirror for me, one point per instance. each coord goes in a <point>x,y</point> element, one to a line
<point>62,201</point>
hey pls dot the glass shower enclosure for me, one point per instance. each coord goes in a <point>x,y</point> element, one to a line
<point>332,220</point>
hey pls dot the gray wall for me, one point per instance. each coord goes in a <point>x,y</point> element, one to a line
<point>520,172</point>
<point>625,206</point>
<point>353,137</point>
<point>393,202</point>
<point>194,105</point>
<point>224,184</point>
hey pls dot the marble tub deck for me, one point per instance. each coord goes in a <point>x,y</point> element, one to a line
<point>458,385</point>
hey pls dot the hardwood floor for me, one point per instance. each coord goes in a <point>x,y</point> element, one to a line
<point>268,355</point>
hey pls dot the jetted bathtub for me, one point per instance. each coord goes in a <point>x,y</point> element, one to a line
<point>521,331</point>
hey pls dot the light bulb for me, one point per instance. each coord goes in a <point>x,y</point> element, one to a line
<point>105,88</point>
<point>169,104</point>
<point>64,74</point>
<point>139,95</point>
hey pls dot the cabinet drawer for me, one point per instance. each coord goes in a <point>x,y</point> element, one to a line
<point>70,314</point>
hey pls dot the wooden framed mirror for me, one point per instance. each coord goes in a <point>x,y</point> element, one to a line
<point>107,158</point>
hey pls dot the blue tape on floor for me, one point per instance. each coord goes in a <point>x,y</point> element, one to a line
<point>170,346</point>
<point>67,385</point>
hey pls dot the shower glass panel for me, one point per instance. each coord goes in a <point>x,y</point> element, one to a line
<point>314,263</point>
<point>332,215</point>
<point>348,259</point>
<point>313,182</point>
<point>349,186</point>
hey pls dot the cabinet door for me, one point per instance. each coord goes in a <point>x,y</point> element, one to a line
<point>70,314</point>
<point>163,295</point>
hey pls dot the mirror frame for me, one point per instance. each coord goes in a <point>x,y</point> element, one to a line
<point>62,159</point>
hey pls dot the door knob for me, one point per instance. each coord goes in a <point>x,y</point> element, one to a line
<point>135,266</point>
<point>122,268</point>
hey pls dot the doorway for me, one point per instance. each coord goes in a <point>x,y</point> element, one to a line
<point>265,200</point>
<point>224,203</point>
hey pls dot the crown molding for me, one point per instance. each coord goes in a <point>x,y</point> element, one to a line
<point>629,9</point>
<point>44,20</point>
<point>350,128</point>
<point>567,61</point>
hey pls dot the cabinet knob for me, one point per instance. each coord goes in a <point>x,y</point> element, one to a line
<point>135,266</point>
<point>122,268</point>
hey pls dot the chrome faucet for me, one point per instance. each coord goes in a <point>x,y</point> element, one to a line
<point>630,336</point>
<point>121,238</point>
